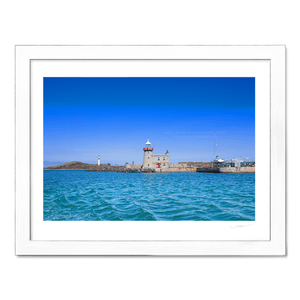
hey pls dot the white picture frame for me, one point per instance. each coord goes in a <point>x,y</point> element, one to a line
<point>274,245</point>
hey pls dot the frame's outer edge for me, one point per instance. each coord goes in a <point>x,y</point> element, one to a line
<point>278,221</point>
<point>24,246</point>
<point>22,150</point>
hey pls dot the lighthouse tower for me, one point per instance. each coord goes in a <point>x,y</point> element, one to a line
<point>147,155</point>
<point>99,160</point>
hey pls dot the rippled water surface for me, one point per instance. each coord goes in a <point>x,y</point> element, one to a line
<point>103,196</point>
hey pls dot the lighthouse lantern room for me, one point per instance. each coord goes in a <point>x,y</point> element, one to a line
<point>148,146</point>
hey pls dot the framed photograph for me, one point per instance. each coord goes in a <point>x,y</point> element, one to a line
<point>150,150</point>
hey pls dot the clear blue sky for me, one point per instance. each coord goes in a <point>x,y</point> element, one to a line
<point>114,117</point>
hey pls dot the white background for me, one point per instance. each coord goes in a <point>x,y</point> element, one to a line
<point>141,22</point>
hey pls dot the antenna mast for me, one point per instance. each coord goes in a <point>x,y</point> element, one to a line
<point>215,149</point>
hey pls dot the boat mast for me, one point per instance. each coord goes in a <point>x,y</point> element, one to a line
<point>215,149</point>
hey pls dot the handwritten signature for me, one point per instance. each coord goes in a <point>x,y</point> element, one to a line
<point>239,226</point>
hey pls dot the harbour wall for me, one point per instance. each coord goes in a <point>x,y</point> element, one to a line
<point>227,170</point>
<point>181,168</point>
<point>171,168</point>
<point>184,168</point>
<point>237,170</point>
<point>132,168</point>
<point>198,164</point>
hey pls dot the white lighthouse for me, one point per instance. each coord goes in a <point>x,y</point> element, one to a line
<point>99,160</point>
<point>147,154</point>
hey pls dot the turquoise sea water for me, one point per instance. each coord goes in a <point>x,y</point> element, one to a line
<point>104,196</point>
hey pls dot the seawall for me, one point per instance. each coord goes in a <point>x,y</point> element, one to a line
<point>227,170</point>
<point>237,170</point>
<point>173,168</point>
